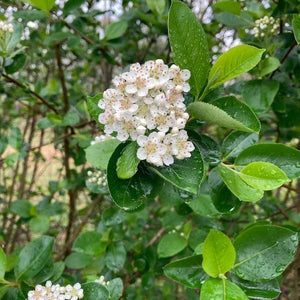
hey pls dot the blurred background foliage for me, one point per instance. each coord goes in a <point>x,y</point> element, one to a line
<point>73,51</point>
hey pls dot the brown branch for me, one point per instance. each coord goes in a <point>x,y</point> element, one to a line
<point>285,57</point>
<point>291,188</point>
<point>71,192</point>
<point>156,237</point>
<point>43,100</point>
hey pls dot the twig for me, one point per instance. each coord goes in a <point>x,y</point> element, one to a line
<point>156,237</point>
<point>291,188</point>
<point>284,57</point>
<point>43,100</point>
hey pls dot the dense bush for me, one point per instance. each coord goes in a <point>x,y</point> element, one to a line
<point>149,149</point>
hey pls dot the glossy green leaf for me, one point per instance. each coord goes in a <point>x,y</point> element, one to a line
<point>78,260</point>
<point>218,289</point>
<point>58,269</point>
<point>2,263</point>
<point>284,157</point>
<point>130,194</point>
<point>204,206</point>
<point>33,257</point>
<point>265,92</point>
<point>236,61</point>
<point>218,254</point>
<point>186,174</point>
<point>263,176</point>
<point>21,208</point>
<point>72,5</point>
<point>232,20</point>
<point>157,6</point>
<point>99,154</point>
<point>115,257</point>
<point>44,274</point>
<point>90,243</point>
<point>258,290</point>
<point>268,65</point>
<point>226,112</point>
<point>296,27</point>
<point>188,271</point>
<point>115,30</point>
<point>237,186</point>
<point>230,6</point>
<point>171,244</point>
<point>113,216</point>
<point>264,251</point>
<point>127,164</point>
<point>94,290</point>
<point>236,142</point>
<point>115,288</point>
<point>189,44</point>
<point>39,224</point>
<point>18,63</point>
<point>42,4</point>
<point>3,290</point>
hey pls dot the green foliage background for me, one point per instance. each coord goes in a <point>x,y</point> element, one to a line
<point>226,228</point>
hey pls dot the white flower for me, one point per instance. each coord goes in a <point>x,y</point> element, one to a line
<point>102,281</point>
<point>264,26</point>
<point>97,177</point>
<point>145,104</point>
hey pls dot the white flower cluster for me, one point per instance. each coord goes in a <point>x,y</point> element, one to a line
<point>264,26</point>
<point>56,292</point>
<point>102,281</point>
<point>97,177</point>
<point>101,138</point>
<point>6,27</point>
<point>147,105</point>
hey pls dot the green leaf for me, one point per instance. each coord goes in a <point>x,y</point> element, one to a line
<point>263,176</point>
<point>171,244</point>
<point>70,118</point>
<point>94,109</point>
<point>3,290</point>
<point>127,164</point>
<point>229,6</point>
<point>237,186</point>
<point>204,206</point>
<point>232,20</point>
<point>189,44</point>
<point>188,271</point>
<point>78,260</point>
<point>90,243</point>
<point>284,157</point>
<point>296,27</point>
<point>218,254</point>
<point>131,193</point>
<point>157,6</point>
<point>55,119</point>
<point>226,112</point>
<point>186,174</point>
<point>15,38</point>
<point>265,92</point>
<point>15,138</point>
<point>115,30</point>
<point>258,290</point>
<point>58,269</point>
<point>234,62</point>
<point>272,248</point>
<point>115,288</point>
<point>31,15</point>
<point>21,208</point>
<point>39,224</point>
<point>2,263</point>
<point>218,289</point>
<point>236,142</point>
<point>72,5</point>
<point>33,257</point>
<point>99,154</point>
<point>18,63</point>
<point>42,4</point>
<point>268,65</point>
<point>113,216</point>
<point>94,290</point>
<point>115,257</point>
